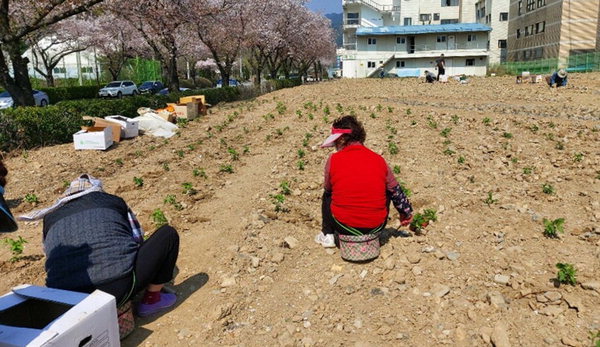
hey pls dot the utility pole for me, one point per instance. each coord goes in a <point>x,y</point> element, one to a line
<point>78,56</point>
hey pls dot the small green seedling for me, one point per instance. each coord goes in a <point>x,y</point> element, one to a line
<point>408,111</point>
<point>514,160</point>
<point>199,173</point>
<point>507,135</point>
<point>390,109</point>
<point>490,199</point>
<point>191,147</point>
<point>405,189</point>
<point>301,153</point>
<point>461,160</point>
<point>281,108</point>
<point>170,199</point>
<point>234,154</point>
<point>455,119</point>
<point>188,188</point>
<point>534,128</point>
<point>119,161</point>
<point>527,170</point>
<point>285,188</point>
<point>421,220</point>
<point>432,124</point>
<point>595,337</point>
<point>180,153</point>
<point>138,181</point>
<point>166,167</point>
<point>31,198</point>
<point>226,168</point>
<point>16,247</point>
<point>578,157</point>
<point>379,107</point>
<point>567,274</point>
<point>301,164</point>
<point>448,151</point>
<point>553,227</point>
<point>182,122</point>
<point>339,108</point>
<point>547,188</point>
<point>278,201</point>
<point>396,169</point>
<point>246,149</point>
<point>158,217</point>
<point>393,148</point>
<point>487,121</point>
<point>326,110</point>
<point>446,132</point>
<point>560,146</point>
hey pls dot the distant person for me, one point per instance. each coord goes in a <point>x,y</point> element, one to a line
<point>381,71</point>
<point>558,77</point>
<point>92,240</point>
<point>358,186</point>
<point>441,66</point>
<point>7,221</point>
<point>429,76</point>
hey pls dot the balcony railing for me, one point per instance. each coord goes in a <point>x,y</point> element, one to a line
<point>373,4</point>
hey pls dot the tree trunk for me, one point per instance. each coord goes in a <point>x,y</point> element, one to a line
<point>172,76</point>
<point>257,76</point>
<point>18,86</point>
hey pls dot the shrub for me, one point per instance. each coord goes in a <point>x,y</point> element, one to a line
<point>566,273</point>
<point>71,93</point>
<point>28,127</point>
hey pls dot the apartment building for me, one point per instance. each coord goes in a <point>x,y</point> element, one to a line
<point>494,13</point>
<point>552,28</point>
<point>405,37</point>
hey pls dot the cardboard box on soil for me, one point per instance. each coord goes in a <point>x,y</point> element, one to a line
<point>188,111</point>
<point>129,127</point>
<point>94,138</point>
<point>202,110</point>
<point>40,316</point>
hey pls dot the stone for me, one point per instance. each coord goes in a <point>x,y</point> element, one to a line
<point>228,282</point>
<point>551,310</point>
<point>500,335</point>
<point>453,256</point>
<point>570,342</point>
<point>416,270</point>
<point>591,286</point>
<point>221,311</point>
<point>573,301</point>
<point>502,279</point>
<point>290,242</point>
<point>363,274</point>
<point>440,290</point>
<point>553,296</point>
<point>334,279</point>
<point>486,333</point>
<point>277,257</point>
<point>384,330</point>
<point>496,299</point>
<point>389,263</point>
<point>414,258</point>
<point>439,254</point>
<point>358,323</point>
<point>255,261</point>
<point>428,249</point>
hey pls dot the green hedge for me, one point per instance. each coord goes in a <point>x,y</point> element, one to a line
<point>128,106</point>
<point>70,93</point>
<point>29,127</point>
<point>287,83</point>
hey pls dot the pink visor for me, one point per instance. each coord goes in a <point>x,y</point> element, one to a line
<point>335,134</point>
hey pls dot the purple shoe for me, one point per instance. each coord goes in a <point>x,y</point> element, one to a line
<point>166,300</point>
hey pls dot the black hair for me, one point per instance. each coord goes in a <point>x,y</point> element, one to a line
<point>350,122</point>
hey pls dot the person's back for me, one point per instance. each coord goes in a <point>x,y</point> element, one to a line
<point>88,242</point>
<point>358,178</point>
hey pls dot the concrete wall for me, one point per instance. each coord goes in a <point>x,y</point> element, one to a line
<point>427,42</point>
<point>454,66</point>
<point>491,17</point>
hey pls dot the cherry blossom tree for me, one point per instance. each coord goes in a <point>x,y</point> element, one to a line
<point>50,45</point>
<point>18,20</point>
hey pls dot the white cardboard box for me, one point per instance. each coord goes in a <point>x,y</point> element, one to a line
<point>93,138</point>
<point>40,316</point>
<point>129,127</point>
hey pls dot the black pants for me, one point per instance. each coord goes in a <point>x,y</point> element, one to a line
<point>441,71</point>
<point>330,226</point>
<point>154,264</point>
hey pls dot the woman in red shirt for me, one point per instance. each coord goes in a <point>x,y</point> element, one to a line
<point>358,186</point>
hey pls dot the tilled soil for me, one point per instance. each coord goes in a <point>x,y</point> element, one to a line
<point>480,154</point>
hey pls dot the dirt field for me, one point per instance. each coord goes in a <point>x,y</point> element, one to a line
<point>484,273</point>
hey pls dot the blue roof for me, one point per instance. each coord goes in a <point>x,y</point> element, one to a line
<point>422,29</point>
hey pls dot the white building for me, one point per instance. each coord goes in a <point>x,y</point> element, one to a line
<point>405,37</point>
<point>495,14</point>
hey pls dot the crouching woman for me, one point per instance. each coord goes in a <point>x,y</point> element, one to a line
<point>92,240</point>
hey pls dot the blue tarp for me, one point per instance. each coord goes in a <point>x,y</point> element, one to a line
<point>422,29</point>
<point>408,72</point>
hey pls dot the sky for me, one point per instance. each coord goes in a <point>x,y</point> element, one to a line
<point>326,6</point>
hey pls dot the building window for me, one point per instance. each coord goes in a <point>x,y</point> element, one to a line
<point>520,7</point>
<point>407,21</point>
<point>518,33</point>
<point>87,69</point>
<point>400,63</point>
<point>470,62</point>
<point>371,41</point>
<point>59,70</point>
<point>424,17</point>
<point>503,16</point>
<point>352,19</point>
<point>371,64</point>
<point>488,19</point>
<point>527,31</point>
<point>436,16</point>
<point>400,40</point>
<point>449,21</point>
<point>472,37</point>
<point>446,3</point>
<point>501,43</point>
<point>538,52</point>
<point>441,38</point>
<point>540,27</point>
<point>541,3</point>
<point>530,5</point>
